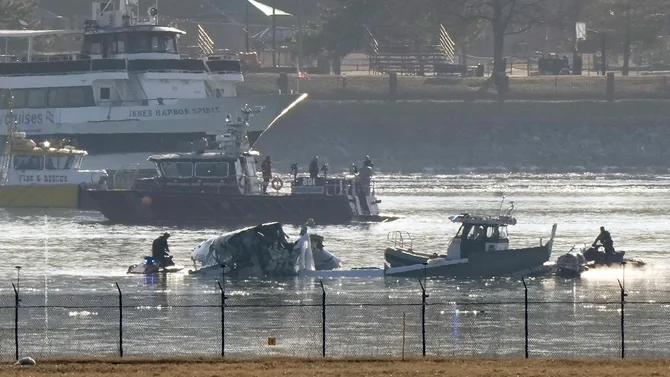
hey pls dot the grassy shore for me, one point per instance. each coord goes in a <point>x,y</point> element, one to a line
<point>374,87</point>
<point>179,367</point>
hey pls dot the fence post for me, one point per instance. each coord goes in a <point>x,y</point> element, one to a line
<point>222,287</point>
<point>610,86</point>
<point>623,302</point>
<point>423,311</point>
<point>120,319</point>
<point>525,300</point>
<point>323,319</point>
<point>16,321</point>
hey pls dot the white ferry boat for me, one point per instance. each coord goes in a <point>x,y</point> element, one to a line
<point>128,91</point>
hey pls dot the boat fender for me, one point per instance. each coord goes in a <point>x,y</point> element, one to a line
<point>277,183</point>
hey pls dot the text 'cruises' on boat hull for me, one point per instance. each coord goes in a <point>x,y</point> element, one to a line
<point>128,89</point>
<point>480,249</point>
<point>221,185</point>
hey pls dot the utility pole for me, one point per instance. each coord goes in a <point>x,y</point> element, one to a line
<point>246,26</point>
<point>299,38</point>
<point>274,34</point>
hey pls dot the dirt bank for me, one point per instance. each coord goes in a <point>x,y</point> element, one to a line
<point>350,368</point>
<point>447,136</point>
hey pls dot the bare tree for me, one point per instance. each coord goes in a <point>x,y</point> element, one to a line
<point>505,17</point>
<point>630,22</point>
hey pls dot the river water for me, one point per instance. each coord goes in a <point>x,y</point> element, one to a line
<point>71,260</point>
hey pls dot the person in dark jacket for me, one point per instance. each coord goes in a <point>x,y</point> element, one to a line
<point>294,171</point>
<point>314,167</point>
<point>161,252</point>
<point>266,169</point>
<point>606,240</point>
<point>367,162</point>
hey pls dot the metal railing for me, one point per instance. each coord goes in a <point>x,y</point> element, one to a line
<point>411,320</point>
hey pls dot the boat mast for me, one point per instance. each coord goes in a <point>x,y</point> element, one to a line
<point>9,141</point>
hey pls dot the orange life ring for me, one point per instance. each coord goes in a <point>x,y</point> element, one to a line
<point>277,183</point>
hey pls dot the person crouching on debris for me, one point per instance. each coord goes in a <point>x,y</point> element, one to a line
<point>161,252</point>
<point>304,228</point>
<point>266,169</point>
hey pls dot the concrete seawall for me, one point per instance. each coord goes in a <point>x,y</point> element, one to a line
<point>446,136</point>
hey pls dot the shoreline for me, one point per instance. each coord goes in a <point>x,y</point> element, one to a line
<point>298,367</point>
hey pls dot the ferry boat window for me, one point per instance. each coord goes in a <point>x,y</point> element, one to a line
<point>20,98</point>
<point>37,98</point>
<point>105,93</point>
<point>80,96</point>
<point>120,47</point>
<point>139,43</point>
<point>58,97</point>
<point>4,98</point>
<point>28,162</point>
<point>503,232</point>
<point>177,169</point>
<point>96,48</point>
<point>68,162</point>
<point>211,169</point>
<point>58,162</point>
<point>143,42</point>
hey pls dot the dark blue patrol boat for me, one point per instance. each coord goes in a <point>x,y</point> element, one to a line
<point>220,185</point>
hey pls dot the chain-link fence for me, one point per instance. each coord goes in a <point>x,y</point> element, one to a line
<point>529,322</point>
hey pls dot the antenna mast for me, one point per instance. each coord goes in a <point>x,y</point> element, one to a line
<point>9,141</point>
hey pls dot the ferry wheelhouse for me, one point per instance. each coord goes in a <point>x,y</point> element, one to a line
<point>128,89</point>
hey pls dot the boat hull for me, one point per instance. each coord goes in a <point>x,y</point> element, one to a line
<point>396,257</point>
<point>142,207</point>
<point>45,196</point>
<point>478,265</point>
<point>112,132</point>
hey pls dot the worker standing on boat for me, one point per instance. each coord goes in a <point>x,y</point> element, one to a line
<point>266,169</point>
<point>161,252</point>
<point>606,240</point>
<point>314,167</point>
<point>294,171</point>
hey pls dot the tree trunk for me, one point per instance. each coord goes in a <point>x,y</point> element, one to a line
<point>499,64</point>
<point>626,43</point>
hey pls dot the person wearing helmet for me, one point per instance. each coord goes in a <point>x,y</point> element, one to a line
<point>161,252</point>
